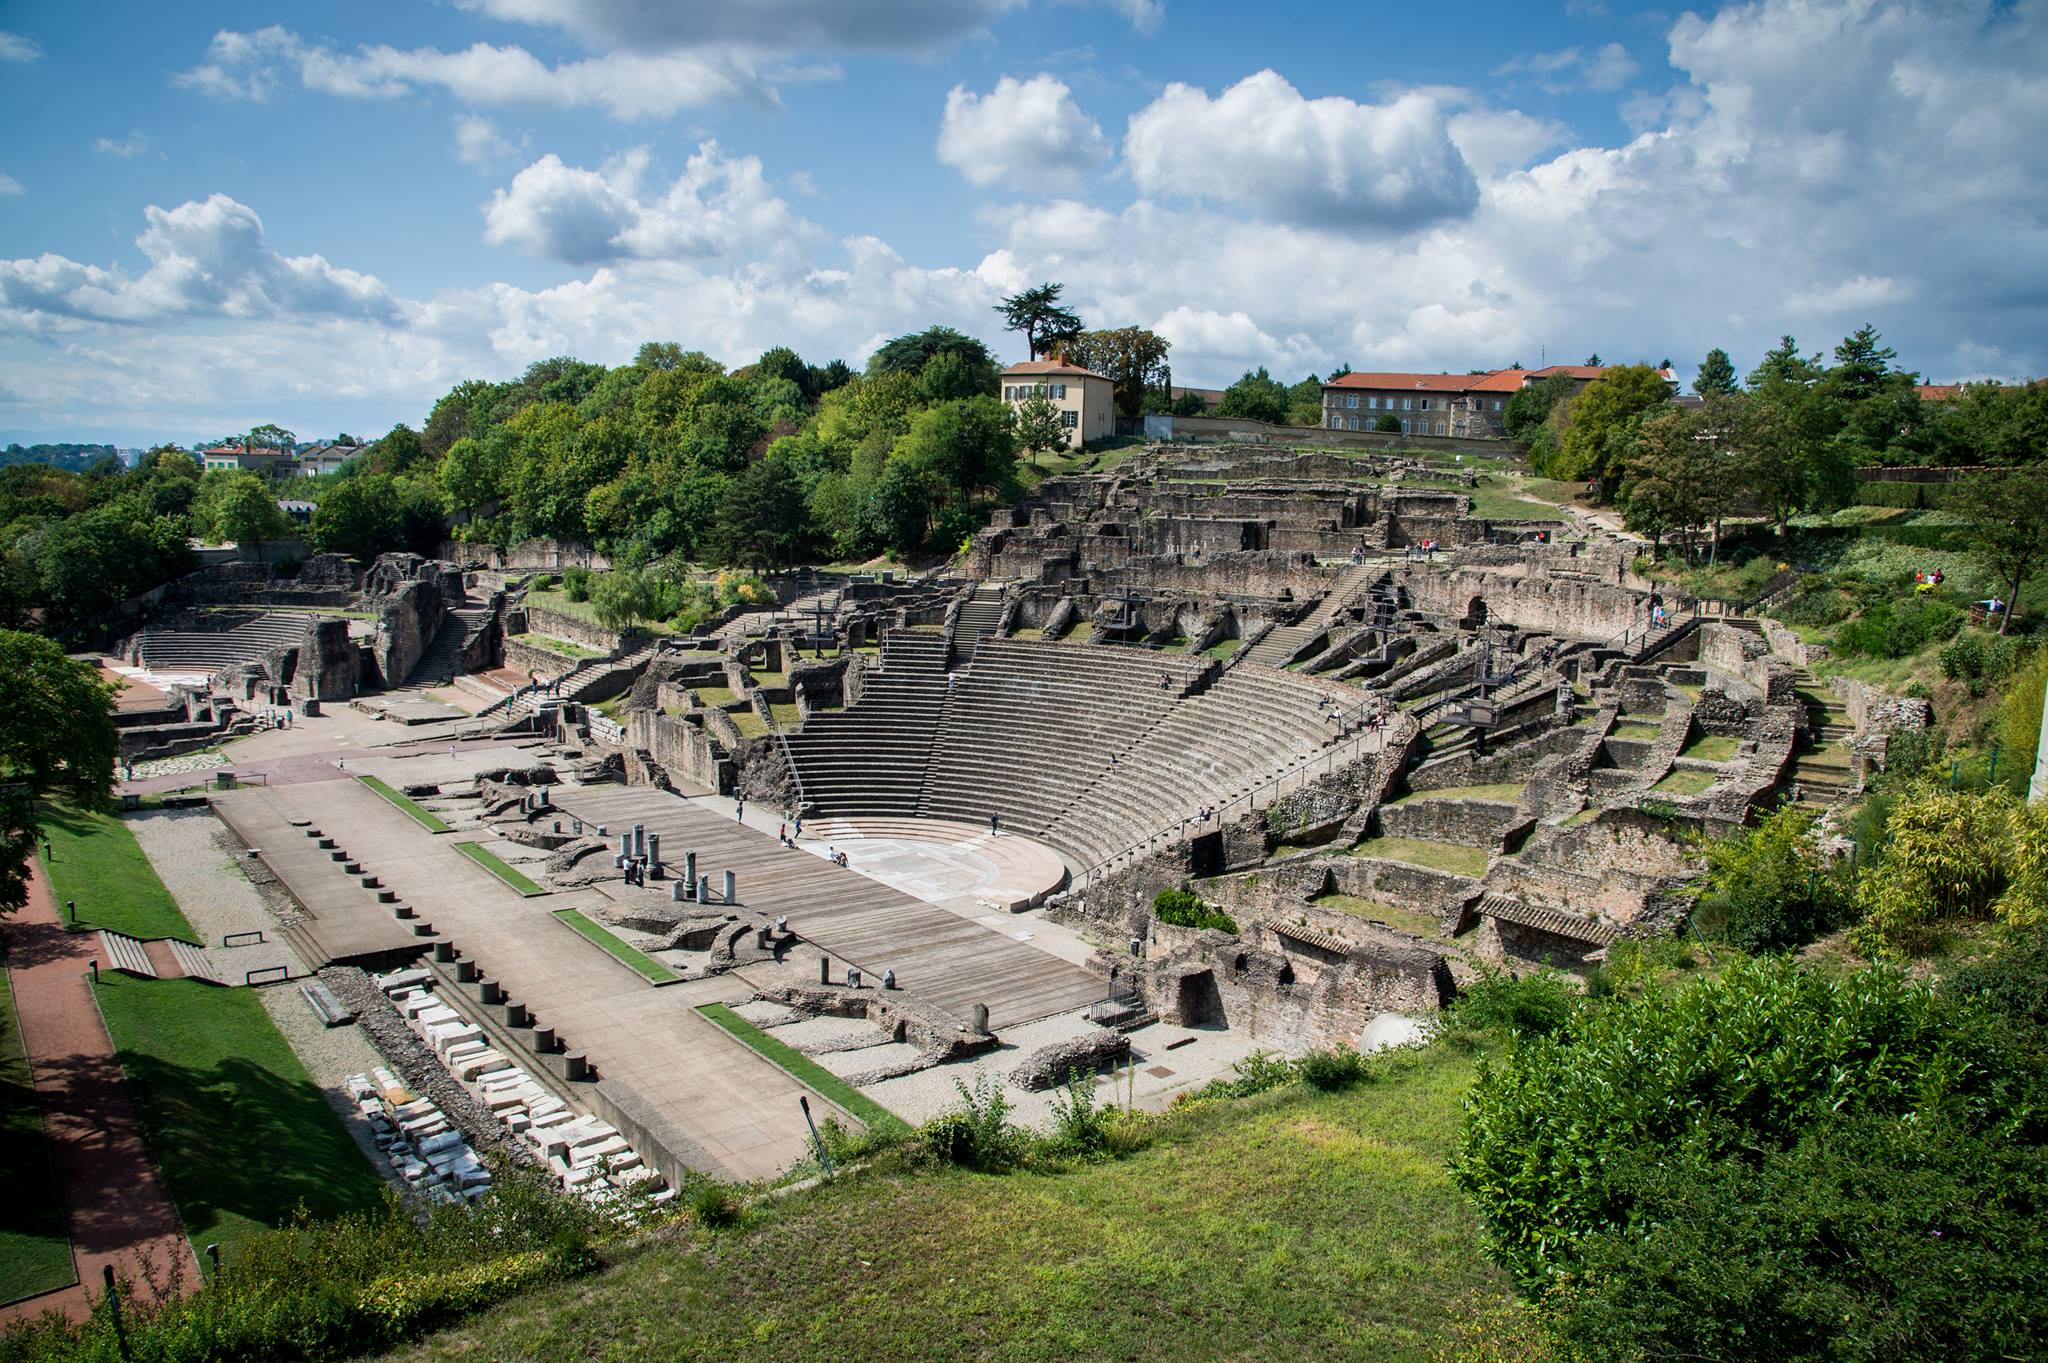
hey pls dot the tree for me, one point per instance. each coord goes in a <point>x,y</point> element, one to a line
<point>1784,364</point>
<point>1593,360</point>
<point>624,598</point>
<point>1604,419</point>
<point>1388,424</point>
<point>270,436</point>
<point>1787,461</point>
<point>2008,529</point>
<point>762,520</point>
<point>964,448</point>
<point>1037,313</point>
<point>947,377</point>
<point>1861,364</point>
<point>1258,396</point>
<point>910,354</point>
<point>359,516</point>
<point>1770,888</point>
<point>57,738</point>
<point>1717,375</point>
<point>1038,426</point>
<point>400,451</point>
<point>239,506</point>
<point>1132,358</point>
<point>1529,406</point>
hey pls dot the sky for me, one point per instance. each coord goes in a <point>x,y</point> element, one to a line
<point>325,215</point>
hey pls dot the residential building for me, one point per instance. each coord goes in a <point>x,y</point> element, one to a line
<point>254,458</point>
<point>1212,398</point>
<point>315,460</point>
<point>1469,406</point>
<point>1938,392</point>
<point>1085,399</point>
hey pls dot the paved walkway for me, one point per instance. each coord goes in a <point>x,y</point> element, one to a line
<point>115,1202</point>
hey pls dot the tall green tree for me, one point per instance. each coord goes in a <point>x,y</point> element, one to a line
<point>2008,528</point>
<point>910,354</point>
<point>1784,364</point>
<point>1258,396</point>
<point>763,520</point>
<point>57,739</point>
<point>238,505</point>
<point>1862,363</point>
<point>1604,420</point>
<point>270,436</point>
<point>1716,377</point>
<point>1132,358</point>
<point>1681,473</point>
<point>1789,460</point>
<point>1037,313</point>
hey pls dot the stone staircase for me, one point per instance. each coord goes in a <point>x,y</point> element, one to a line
<point>129,955</point>
<point>209,651</point>
<point>442,661</point>
<point>172,958</point>
<point>1282,642</point>
<point>977,619</point>
<point>1821,771</point>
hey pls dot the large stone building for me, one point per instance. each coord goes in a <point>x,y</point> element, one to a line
<point>1472,406</point>
<point>1086,400</point>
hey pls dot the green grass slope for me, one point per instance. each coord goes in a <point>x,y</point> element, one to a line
<point>35,1249</point>
<point>1293,1225</point>
<point>95,860</point>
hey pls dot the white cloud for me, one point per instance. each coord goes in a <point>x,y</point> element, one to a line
<point>19,47</point>
<point>1850,295</point>
<point>1605,68</point>
<point>1496,140</point>
<point>1022,134</point>
<point>134,144</point>
<point>719,206</point>
<point>767,25</point>
<point>10,185</point>
<point>627,85</point>
<point>478,142</point>
<point>206,259</point>
<point>1327,161</point>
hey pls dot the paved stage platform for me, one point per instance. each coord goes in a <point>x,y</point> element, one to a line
<point>937,952</point>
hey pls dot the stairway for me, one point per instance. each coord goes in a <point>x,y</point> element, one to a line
<point>1282,642</point>
<point>977,619</point>
<point>442,661</point>
<point>129,955</point>
<point>1821,771</point>
<point>211,651</point>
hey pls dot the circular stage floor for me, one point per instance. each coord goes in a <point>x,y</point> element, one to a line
<point>943,862</point>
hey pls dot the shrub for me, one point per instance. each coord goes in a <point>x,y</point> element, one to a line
<point>2019,713</point>
<point>1768,888</point>
<point>976,1133</point>
<point>1256,1073</point>
<point>1338,1068</point>
<point>1955,856</point>
<point>1898,629</point>
<point>1559,1135</point>
<point>712,1203</point>
<point>1532,1005</point>
<point>576,583</point>
<point>1079,1127</point>
<point>1981,661</point>
<point>1182,908</point>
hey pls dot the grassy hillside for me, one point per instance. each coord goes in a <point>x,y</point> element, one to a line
<point>1293,1225</point>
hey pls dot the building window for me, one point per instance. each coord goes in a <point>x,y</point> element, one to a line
<point>1336,422</point>
<point>1404,407</point>
<point>1070,419</point>
<point>1425,404</point>
<point>1439,428</point>
<point>1352,402</point>
<point>1404,425</point>
<point>1060,390</point>
<point>1373,404</point>
<point>1496,404</point>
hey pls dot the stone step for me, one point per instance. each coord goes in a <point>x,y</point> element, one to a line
<point>127,954</point>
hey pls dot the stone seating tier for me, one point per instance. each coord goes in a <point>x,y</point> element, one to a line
<point>211,650</point>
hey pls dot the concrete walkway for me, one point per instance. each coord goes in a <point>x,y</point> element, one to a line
<point>114,1199</point>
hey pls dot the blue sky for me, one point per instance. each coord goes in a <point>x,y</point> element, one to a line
<point>325,215</point>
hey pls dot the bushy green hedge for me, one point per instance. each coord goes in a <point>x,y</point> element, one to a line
<point>1185,909</point>
<point>1914,496</point>
<point>1891,628</point>
<point>1768,888</point>
<point>1779,1163</point>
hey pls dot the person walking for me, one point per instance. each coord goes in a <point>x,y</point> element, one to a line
<point>995,826</point>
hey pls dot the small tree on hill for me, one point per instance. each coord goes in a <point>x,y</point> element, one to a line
<point>1716,376</point>
<point>2008,526</point>
<point>1258,396</point>
<point>1038,426</point>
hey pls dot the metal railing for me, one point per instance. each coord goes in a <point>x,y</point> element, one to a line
<point>1363,743</point>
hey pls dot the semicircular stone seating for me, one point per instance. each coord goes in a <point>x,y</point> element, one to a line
<point>1028,730</point>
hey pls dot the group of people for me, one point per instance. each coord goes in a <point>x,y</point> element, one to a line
<point>835,856</point>
<point>1422,549</point>
<point>787,836</point>
<point>636,871</point>
<point>1927,581</point>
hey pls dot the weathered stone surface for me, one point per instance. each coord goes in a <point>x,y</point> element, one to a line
<point>327,661</point>
<point>1090,1051</point>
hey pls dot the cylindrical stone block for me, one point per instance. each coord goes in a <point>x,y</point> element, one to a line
<point>575,1067</point>
<point>444,952</point>
<point>654,855</point>
<point>703,889</point>
<point>625,846</point>
<point>639,839</point>
<point>516,1015</point>
<point>387,896</point>
<point>466,972</point>
<point>824,970</point>
<point>977,1017</point>
<point>490,991</point>
<point>675,890</point>
<point>403,910</point>
<point>423,929</point>
<point>732,888</point>
<point>544,1039</point>
<point>690,867</point>
<point>367,882</point>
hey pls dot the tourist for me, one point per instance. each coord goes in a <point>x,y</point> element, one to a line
<point>798,831</point>
<point>951,678</point>
<point>1657,617</point>
<point>782,832</point>
<point>995,826</point>
<point>739,809</point>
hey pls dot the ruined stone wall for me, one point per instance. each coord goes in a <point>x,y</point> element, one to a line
<point>327,663</point>
<point>577,631</point>
<point>1468,823</point>
<point>1528,597</point>
<point>683,749</point>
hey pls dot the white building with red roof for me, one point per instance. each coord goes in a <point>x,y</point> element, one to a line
<point>1086,400</point>
<point>1470,406</point>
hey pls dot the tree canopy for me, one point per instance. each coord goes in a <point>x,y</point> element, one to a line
<point>57,739</point>
<point>1037,313</point>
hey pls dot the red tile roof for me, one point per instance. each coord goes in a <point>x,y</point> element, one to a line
<point>1435,383</point>
<point>1938,392</point>
<point>1493,381</point>
<point>1032,368</point>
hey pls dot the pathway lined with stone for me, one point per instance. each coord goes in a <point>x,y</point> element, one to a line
<point>116,1206</point>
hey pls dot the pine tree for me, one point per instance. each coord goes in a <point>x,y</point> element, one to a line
<point>1716,376</point>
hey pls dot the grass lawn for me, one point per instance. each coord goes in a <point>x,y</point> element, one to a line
<point>1294,1225</point>
<point>1492,505</point>
<point>561,648</point>
<point>1079,632</point>
<point>491,862</point>
<point>649,969</point>
<point>1711,748</point>
<point>864,1109</point>
<point>1508,791</point>
<point>556,600</point>
<point>787,715</point>
<point>424,818</point>
<point>1223,648</point>
<point>1437,856</point>
<point>715,695</point>
<point>95,860</point>
<point>1408,920</point>
<point>35,1249</point>
<point>1635,733</point>
<point>243,1135</point>
<point>1685,783</point>
<point>748,723</point>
